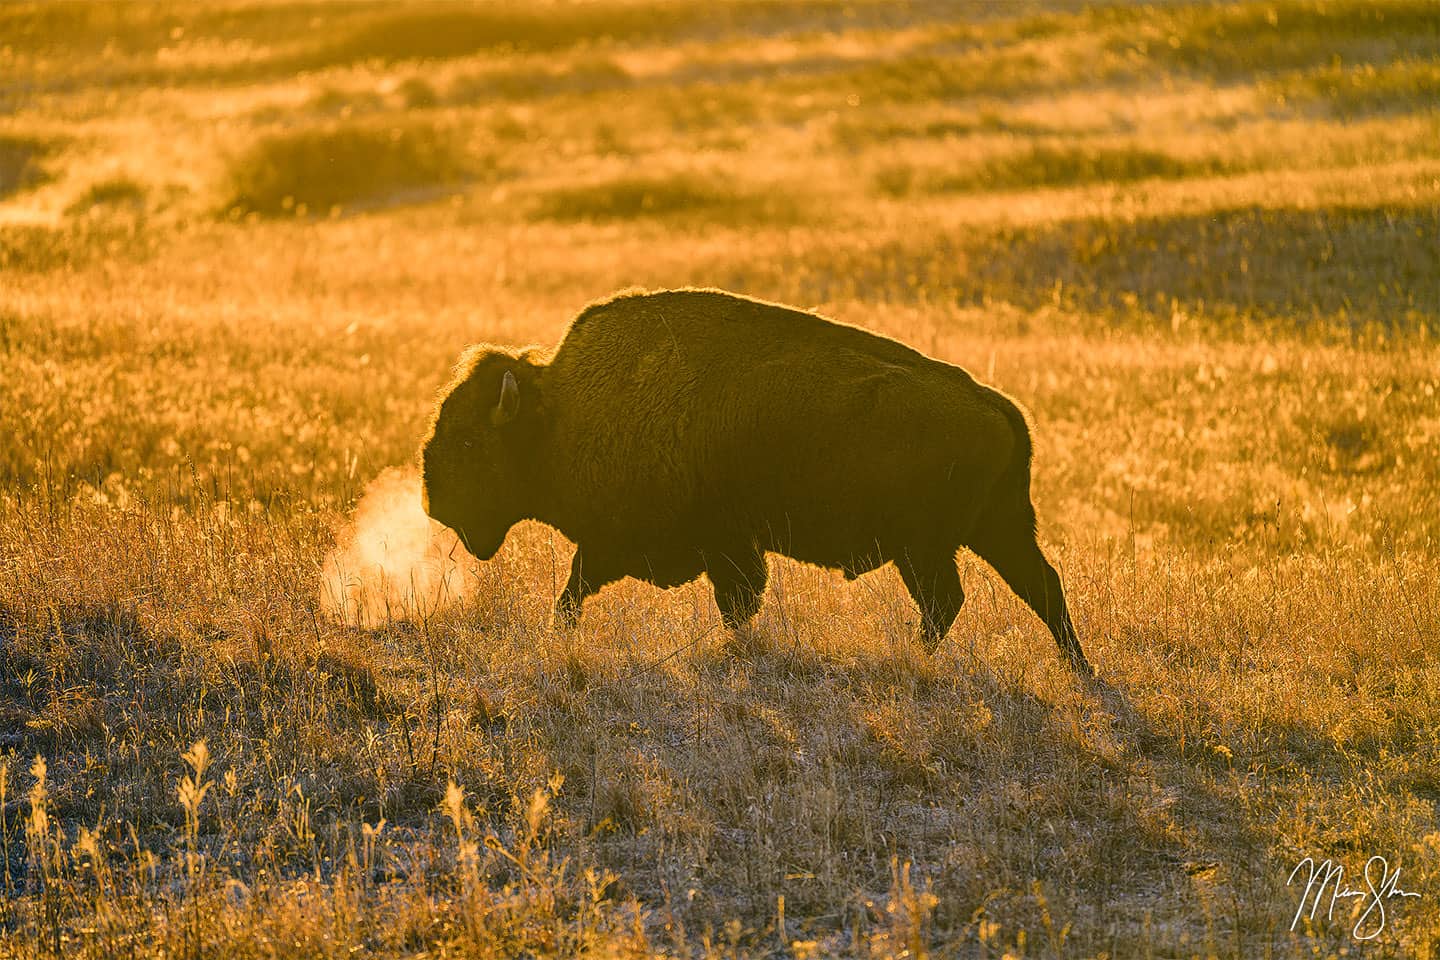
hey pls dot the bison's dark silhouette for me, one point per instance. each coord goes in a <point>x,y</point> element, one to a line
<point>689,431</point>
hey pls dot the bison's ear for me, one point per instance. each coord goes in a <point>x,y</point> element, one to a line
<point>509,403</point>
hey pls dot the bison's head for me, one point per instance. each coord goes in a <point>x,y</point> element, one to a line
<point>475,459</point>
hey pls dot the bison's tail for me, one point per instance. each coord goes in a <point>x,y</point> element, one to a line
<point>1010,499</point>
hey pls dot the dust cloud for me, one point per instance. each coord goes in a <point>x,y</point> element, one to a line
<point>391,561</point>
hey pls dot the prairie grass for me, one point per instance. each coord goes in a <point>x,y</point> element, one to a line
<point>1368,88</point>
<point>1207,267</point>
<point>439,31</point>
<point>1260,38</point>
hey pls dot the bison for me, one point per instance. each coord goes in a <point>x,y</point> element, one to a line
<point>683,432</point>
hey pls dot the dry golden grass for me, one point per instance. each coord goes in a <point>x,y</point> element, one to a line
<point>240,245</point>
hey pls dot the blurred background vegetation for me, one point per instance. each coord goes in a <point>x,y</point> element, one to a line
<point>241,243</point>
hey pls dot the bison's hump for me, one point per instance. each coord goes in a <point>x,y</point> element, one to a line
<point>729,324</point>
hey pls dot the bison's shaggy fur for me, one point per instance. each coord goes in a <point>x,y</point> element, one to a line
<point>684,432</point>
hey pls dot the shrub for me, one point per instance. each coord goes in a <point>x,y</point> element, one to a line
<point>20,163</point>
<point>895,180</point>
<point>922,77</point>
<point>417,94</point>
<point>678,194</point>
<point>1061,166</point>
<point>335,102</point>
<point>577,75</point>
<point>116,192</point>
<point>318,169</point>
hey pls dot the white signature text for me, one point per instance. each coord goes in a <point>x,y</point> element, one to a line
<point>1381,885</point>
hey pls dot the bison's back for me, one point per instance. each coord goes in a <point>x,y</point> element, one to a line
<point>704,415</point>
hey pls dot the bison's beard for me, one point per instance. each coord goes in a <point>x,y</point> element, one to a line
<point>479,547</point>
<point>482,540</point>
<point>391,562</point>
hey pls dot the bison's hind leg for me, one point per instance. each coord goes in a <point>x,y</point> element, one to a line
<point>738,577</point>
<point>934,585</point>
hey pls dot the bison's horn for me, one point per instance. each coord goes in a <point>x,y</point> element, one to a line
<point>509,404</point>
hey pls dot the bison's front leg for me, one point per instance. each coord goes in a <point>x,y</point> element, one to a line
<point>934,584</point>
<point>738,577</point>
<point>585,579</point>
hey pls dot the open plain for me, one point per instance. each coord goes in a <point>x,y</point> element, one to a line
<point>242,243</point>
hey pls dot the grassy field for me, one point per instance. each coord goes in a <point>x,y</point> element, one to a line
<point>242,243</point>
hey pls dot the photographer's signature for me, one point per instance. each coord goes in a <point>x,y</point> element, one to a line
<point>1380,885</point>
